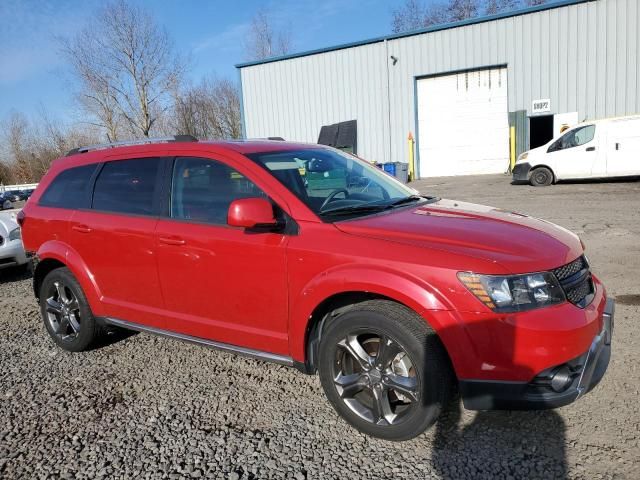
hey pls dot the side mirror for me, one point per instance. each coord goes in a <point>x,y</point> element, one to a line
<point>251,213</point>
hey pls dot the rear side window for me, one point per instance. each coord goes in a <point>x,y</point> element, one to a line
<point>127,186</point>
<point>70,189</point>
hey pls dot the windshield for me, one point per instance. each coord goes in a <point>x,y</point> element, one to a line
<point>333,183</point>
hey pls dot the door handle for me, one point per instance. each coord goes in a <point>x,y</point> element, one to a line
<point>617,146</point>
<point>81,228</point>
<point>590,149</point>
<point>176,241</point>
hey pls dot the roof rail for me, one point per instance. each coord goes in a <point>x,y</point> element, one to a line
<point>126,143</point>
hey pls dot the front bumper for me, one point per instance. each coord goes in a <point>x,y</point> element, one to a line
<point>520,172</point>
<point>585,372</point>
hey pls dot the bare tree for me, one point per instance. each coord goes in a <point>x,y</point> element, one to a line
<point>16,141</point>
<point>6,174</point>
<point>497,6</point>
<point>462,10</point>
<point>226,99</point>
<point>263,41</point>
<point>126,68</point>
<point>416,14</point>
<point>28,147</point>
<point>209,110</point>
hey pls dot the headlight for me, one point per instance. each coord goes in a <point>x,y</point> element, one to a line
<point>514,293</point>
<point>523,156</point>
<point>15,234</point>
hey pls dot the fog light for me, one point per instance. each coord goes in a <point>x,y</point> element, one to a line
<point>561,379</point>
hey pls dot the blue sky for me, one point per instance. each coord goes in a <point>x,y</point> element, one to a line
<point>33,76</point>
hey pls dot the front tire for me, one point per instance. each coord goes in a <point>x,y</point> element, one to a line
<point>66,312</point>
<point>384,370</point>
<point>541,177</point>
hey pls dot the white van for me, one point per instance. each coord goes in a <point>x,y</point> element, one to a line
<point>602,148</point>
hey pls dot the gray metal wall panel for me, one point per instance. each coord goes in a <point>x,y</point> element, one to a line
<point>584,57</point>
<point>633,99</point>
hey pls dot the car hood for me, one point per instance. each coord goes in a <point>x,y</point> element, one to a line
<point>536,153</point>
<point>517,242</point>
<point>7,223</point>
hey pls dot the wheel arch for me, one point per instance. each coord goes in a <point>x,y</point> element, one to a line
<point>333,306</point>
<point>42,269</point>
<point>544,165</point>
<point>55,254</point>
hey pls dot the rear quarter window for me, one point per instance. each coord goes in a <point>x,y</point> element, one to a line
<point>70,189</point>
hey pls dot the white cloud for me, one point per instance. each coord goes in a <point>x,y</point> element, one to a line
<point>228,39</point>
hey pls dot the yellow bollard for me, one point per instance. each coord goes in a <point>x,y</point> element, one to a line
<point>512,148</point>
<point>412,175</point>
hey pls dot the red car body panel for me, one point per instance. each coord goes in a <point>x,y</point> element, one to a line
<point>121,253</point>
<point>225,285</point>
<point>260,291</point>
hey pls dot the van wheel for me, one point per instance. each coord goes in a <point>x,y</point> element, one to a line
<point>541,177</point>
<point>66,313</point>
<point>384,370</point>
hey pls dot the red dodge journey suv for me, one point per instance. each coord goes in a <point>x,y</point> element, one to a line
<point>310,257</point>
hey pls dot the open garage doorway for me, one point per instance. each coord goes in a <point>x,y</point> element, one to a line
<point>540,130</point>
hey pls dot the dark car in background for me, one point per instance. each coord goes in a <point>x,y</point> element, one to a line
<point>16,195</point>
<point>6,201</point>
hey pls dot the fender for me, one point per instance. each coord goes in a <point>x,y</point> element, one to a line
<point>60,251</point>
<point>411,291</point>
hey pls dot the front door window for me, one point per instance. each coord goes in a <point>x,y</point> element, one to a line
<point>203,190</point>
<point>574,138</point>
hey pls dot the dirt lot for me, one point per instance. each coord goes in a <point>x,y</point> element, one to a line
<point>151,407</point>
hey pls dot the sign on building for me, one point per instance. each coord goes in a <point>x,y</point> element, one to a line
<point>541,106</point>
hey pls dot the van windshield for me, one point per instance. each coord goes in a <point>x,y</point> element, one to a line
<point>335,184</point>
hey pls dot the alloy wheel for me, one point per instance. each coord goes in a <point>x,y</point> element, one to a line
<point>63,311</point>
<point>375,378</point>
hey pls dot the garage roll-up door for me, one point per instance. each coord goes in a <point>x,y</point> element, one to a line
<point>463,123</point>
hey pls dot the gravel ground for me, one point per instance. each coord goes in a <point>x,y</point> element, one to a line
<point>142,406</point>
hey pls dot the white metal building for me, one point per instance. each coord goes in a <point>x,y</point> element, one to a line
<point>463,90</point>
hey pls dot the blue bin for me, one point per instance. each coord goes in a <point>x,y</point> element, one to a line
<point>390,168</point>
<point>397,169</point>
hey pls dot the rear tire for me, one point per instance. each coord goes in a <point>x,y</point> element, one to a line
<point>66,312</point>
<point>541,177</point>
<point>384,370</point>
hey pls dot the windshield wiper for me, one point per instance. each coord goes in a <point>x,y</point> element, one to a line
<point>354,209</point>
<point>377,206</point>
<point>402,201</point>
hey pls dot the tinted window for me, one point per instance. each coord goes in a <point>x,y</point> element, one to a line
<point>574,138</point>
<point>202,190</point>
<point>69,189</point>
<point>127,186</point>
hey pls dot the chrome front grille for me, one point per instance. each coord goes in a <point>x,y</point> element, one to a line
<point>575,279</point>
